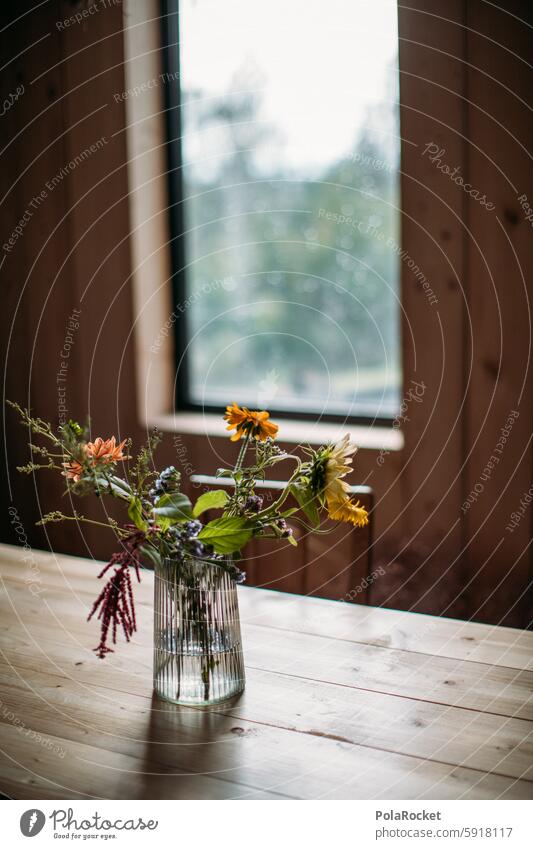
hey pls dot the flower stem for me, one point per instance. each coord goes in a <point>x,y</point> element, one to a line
<point>242,452</point>
<point>119,531</point>
<point>272,508</point>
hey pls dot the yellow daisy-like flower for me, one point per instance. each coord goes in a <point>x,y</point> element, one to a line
<point>330,466</point>
<point>348,511</point>
<point>338,464</point>
<point>254,422</point>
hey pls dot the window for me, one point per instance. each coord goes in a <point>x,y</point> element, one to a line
<point>284,151</point>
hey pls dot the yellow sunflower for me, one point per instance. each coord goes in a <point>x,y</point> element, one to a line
<point>329,468</point>
<point>338,463</point>
<point>346,510</point>
<point>254,422</point>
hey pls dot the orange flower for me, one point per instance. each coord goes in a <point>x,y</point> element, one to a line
<point>344,510</point>
<point>73,470</point>
<point>105,450</point>
<point>254,422</point>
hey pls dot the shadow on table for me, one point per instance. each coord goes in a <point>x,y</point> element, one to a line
<point>192,753</point>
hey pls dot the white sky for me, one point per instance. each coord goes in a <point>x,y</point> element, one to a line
<point>318,63</point>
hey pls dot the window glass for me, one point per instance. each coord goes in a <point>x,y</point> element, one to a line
<point>290,155</point>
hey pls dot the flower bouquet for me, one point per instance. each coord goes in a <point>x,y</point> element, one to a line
<point>197,642</point>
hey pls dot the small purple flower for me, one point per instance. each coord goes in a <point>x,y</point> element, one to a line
<point>286,531</point>
<point>198,548</point>
<point>193,528</point>
<point>253,503</point>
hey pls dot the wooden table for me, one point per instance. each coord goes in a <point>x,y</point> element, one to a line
<point>342,701</point>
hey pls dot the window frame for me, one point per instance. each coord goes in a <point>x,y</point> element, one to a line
<point>170,38</point>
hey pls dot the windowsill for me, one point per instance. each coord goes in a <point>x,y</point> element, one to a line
<point>291,430</point>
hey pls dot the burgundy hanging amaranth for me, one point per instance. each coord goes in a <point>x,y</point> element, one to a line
<point>116,602</point>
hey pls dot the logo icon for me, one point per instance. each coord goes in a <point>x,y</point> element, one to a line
<point>32,822</point>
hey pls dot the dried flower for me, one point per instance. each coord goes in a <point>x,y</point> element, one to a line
<point>116,603</point>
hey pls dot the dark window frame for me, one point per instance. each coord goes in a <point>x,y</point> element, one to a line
<point>183,403</point>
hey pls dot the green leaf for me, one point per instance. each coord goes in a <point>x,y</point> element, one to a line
<point>135,512</point>
<point>307,501</point>
<point>151,554</point>
<point>290,512</point>
<point>292,540</point>
<point>111,486</point>
<point>120,484</point>
<point>174,506</point>
<point>210,501</point>
<point>228,534</point>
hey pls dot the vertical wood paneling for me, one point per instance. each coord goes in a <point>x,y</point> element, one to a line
<point>35,311</point>
<point>425,539</point>
<point>499,302</point>
<point>77,240</point>
<point>92,72</point>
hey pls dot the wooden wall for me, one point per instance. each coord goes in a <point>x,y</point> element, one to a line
<point>465,86</point>
<point>73,254</point>
<point>500,277</point>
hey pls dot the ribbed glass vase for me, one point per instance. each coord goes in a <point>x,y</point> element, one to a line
<point>198,656</point>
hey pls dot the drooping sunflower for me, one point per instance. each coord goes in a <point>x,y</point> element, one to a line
<point>346,510</point>
<point>329,468</point>
<point>338,465</point>
<point>253,422</point>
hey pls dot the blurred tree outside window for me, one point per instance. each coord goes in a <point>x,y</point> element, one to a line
<point>290,172</point>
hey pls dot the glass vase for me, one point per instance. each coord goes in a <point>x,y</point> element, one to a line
<point>198,656</point>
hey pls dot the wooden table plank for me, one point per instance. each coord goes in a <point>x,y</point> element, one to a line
<point>170,741</point>
<point>339,703</point>
<point>446,735</point>
<point>489,688</point>
<point>372,626</point>
<point>91,771</point>
<point>496,690</point>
